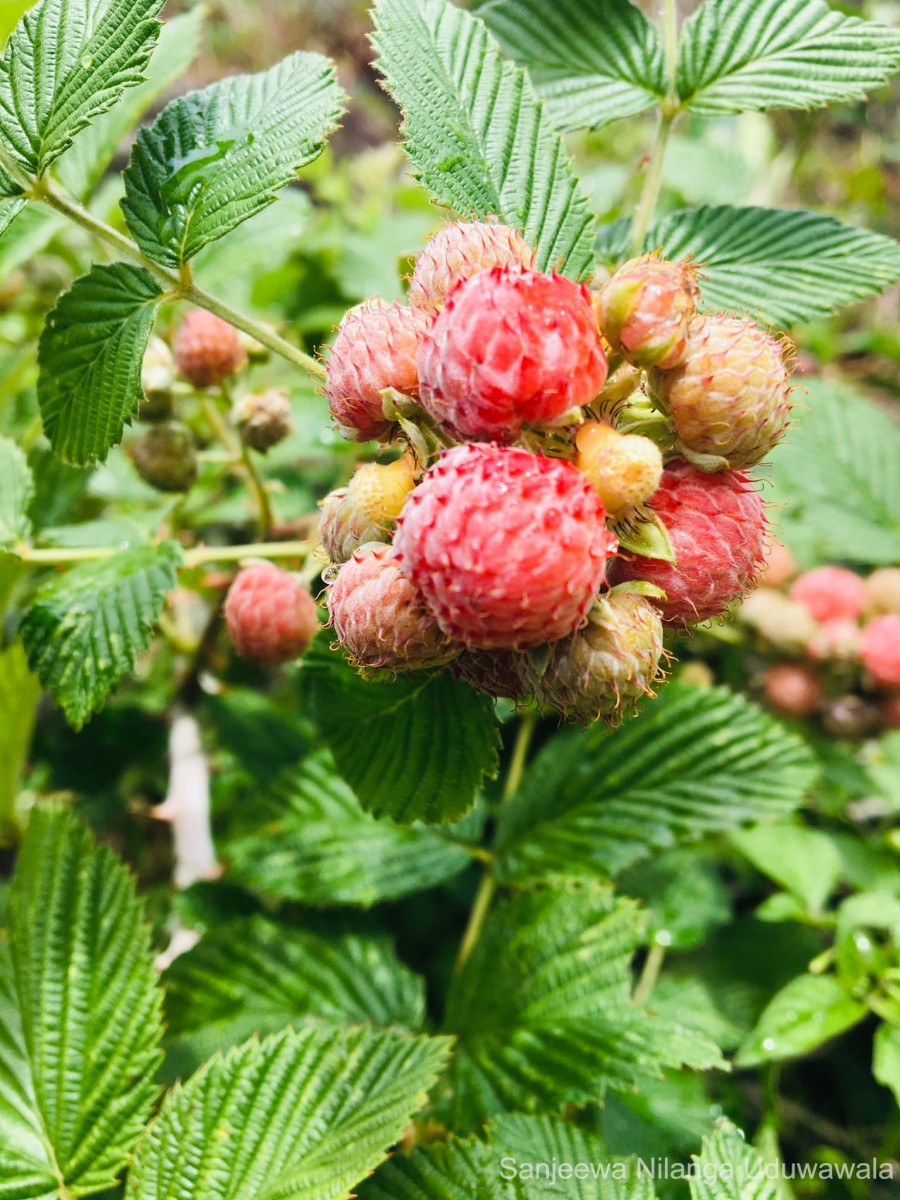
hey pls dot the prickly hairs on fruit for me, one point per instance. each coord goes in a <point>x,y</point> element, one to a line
<point>508,549</point>
<point>623,469</point>
<point>603,669</point>
<point>270,614</point>
<point>460,251</point>
<point>511,347</point>
<point>165,457</point>
<point>263,418</point>
<point>375,349</point>
<point>207,349</point>
<point>498,673</point>
<point>367,509</point>
<point>645,310</point>
<point>730,399</point>
<point>716,525</point>
<point>379,618</point>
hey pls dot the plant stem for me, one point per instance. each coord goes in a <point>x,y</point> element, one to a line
<point>198,557</point>
<point>652,967</point>
<point>257,484</point>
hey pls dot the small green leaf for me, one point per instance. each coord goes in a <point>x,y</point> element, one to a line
<point>808,1011</point>
<point>90,358</point>
<point>16,494</point>
<point>730,1169</point>
<point>213,158</point>
<point>303,1114</point>
<point>416,748</point>
<point>84,630</point>
<point>805,861</point>
<point>79,1016</point>
<point>19,695</point>
<point>476,132</point>
<point>736,55</point>
<point>644,533</point>
<point>886,1058</point>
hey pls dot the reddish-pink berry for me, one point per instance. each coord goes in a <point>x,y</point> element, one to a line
<point>207,349</point>
<point>511,347</point>
<point>507,548</point>
<point>793,690</point>
<point>830,593</point>
<point>270,614</point>
<point>645,310</point>
<point>460,251</point>
<point>881,650</point>
<point>379,618</point>
<point>375,349</point>
<point>716,525</point>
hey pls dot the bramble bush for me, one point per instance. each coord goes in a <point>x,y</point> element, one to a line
<point>469,871</point>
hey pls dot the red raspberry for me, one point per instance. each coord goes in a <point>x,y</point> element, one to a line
<point>830,593</point>
<point>375,348</point>
<point>881,650</point>
<point>793,690</point>
<point>460,251</point>
<point>207,349</point>
<point>380,620</point>
<point>645,310</point>
<point>271,616</point>
<point>507,548</point>
<point>717,525</point>
<point>511,347</point>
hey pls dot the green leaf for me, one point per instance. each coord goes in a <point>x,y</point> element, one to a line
<point>886,1058</point>
<point>303,1114</point>
<point>560,1026</point>
<point>736,55</point>
<point>415,748</point>
<point>805,861</point>
<point>694,762</point>
<point>591,62</point>
<point>10,207</point>
<point>323,849</point>
<point>782,266</point>
<point>475,131</point>
<point>84,630</point>
<point>215,157</point>
<point>808,1011</point>
<point>254,976</point>
<point>66,62</point>
<point>729,1169</point>
<point>19,695</point>
<point>454,1170</point>
<point>79,1016</point>
<point>16,494</point>
<point>837,478</point>
<point>34,229</point>
<point>90,357</point>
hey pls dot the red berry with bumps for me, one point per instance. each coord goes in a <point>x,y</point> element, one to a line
<point>270,614</point>
<point>830,593</point>
<point>207,349</point>
<point>460,251</point>
<point>880,650</point>
<point>510,348</point>
<point>645,311</point>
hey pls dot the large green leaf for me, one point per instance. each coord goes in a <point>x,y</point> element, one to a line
<point>542,1009</point>
<point>84,630</point>
<point>215,157</point>
<point>782,266</point>
<point>66,62</point>
<point>592,61</point>
<point>90,358</point>
<point>19,695</point>
<point>728,1168</point>
<point>79,1017</point>
<point>694,762</point>
<point>837,478</point>
<point>16,494</point>
<point>415,748</point>
<point>475,131</point>
<point>323,849</point>
<point>303,1114</point>
<point>805,1013</point>
<point>756,54</point>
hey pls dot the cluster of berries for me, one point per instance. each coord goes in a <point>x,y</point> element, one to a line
<point>574,477</point>
<point>836,636</point>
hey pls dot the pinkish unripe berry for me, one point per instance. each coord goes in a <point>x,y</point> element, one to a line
<point>623,469</point>
<point>270,614</point>
<point>511,347</point>
<point>460,251</point>
<point>379,618</point>
<point>793,690</point>
<point>344,527</point>
<point>508,549</point>
<point>837,639</point>
<point>830,593</point>
<point>785,623</point>
<point>375,349</point>
<point>880,650</point>
<point>730,398</point>
<point>645,310</point>
<point>263,418</point>
<point>207,349</point>
<point>883,591</point>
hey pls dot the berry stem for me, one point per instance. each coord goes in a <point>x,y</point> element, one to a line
<point>649,975</point>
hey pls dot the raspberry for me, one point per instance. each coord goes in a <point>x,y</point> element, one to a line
<point>497,672</point>
<point>263,418</point>
<point>883,591</point>
<point>157,381</point>
<point>379,619</point>
<point>165,457</point>
<point>511,347</point>
<point>460,251</point>
<point>779,566</point>
<point>507,548</point>
<point>207,349</point>
<point>716,525</point>
<point>375,348</point>
<point>645,311</point>
<point>603,669</point>
<point>837,639</point>
<point>730,399</point>
<point>830,593</point>
<point>785,623</point>
<point>271,616</point>
<point>380,491</point>
<point>624,469</point>
<point>793,690</point>
<point>881,650</point>
<point>343,527</point>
